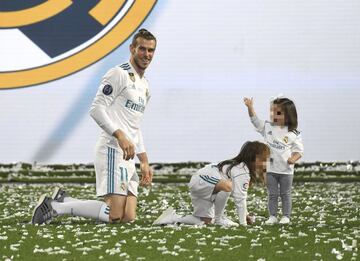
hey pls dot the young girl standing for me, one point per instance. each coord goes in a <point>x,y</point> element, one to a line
<point>212,185</point>
<point>286,148</point>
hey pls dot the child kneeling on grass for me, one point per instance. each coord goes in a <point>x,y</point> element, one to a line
<point>211,187</point>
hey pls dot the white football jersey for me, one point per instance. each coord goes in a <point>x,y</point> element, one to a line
<point>282,144</point>
<point>120,104</point>
<point>240,177</point>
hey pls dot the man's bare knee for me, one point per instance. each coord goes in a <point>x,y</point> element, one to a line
<point>116,215</point>
<point>130,209</point>
<point>117,207</point>
<point>129,218</point>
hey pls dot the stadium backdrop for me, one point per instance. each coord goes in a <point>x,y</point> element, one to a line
<point>210,55</point>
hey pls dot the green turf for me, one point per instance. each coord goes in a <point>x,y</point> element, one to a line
<point>325,224</point>
<point>88,177</point>
<point>165,172</point>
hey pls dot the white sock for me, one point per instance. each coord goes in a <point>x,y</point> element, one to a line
<point>83,208</point>
<point>190,220</point>
<point>220,203</point>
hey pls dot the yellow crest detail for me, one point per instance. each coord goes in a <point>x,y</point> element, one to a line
<point>132,76</point>
<point>106,13</point>
<point>286,139</point>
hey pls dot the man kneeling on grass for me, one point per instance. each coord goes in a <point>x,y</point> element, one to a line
<point>212,185</point>
<point>118,109</point>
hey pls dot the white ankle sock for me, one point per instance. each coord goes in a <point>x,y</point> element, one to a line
<point>83,208</point>
<point>220,203</point>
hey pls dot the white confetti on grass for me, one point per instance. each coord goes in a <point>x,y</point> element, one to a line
<point>322,209</point>
<point>52,251</point>
<point>14,247</point>
<point>338,254</point>
<point>86,249</point>
<point>302,234</point>
<point>113,251</point>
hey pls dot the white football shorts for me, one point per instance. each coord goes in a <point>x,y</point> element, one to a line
<point>114,175</point>
<point>201,192</point>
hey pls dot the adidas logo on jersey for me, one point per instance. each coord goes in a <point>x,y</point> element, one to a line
<point>125,66</point>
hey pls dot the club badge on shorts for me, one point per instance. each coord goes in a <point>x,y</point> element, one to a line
<point>58,38</point>
<point>123,186</point>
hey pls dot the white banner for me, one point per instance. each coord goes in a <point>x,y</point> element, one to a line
<point>210,54</point>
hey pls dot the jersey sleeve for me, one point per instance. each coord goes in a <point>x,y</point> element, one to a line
<point>241,184</point>
<point>140,147</point>
<point>258,124</point>
<point>297,145</point>
<point>112,84</point>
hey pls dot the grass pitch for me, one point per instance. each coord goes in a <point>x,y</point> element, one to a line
<point>325,226</point>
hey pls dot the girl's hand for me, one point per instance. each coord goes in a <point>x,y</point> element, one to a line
<point>248,102</point>
<point>250,219</point>
<point>295,156</point>
<point>291,161</point>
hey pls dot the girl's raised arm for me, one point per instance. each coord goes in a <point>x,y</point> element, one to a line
<point>258,124</point>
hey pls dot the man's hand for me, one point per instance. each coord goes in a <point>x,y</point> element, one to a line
<point>146,175</point>
<point>146,171</point>
<point>127,147</point>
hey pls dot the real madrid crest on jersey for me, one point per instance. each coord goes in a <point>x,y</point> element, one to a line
<point>132,76</point>
<point>245,186</point>
<point>56,38</point>
<point>286,139</point>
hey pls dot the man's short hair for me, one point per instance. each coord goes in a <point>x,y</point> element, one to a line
<point>143,33</point>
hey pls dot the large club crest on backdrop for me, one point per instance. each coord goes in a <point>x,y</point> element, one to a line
<point>44,40</point>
